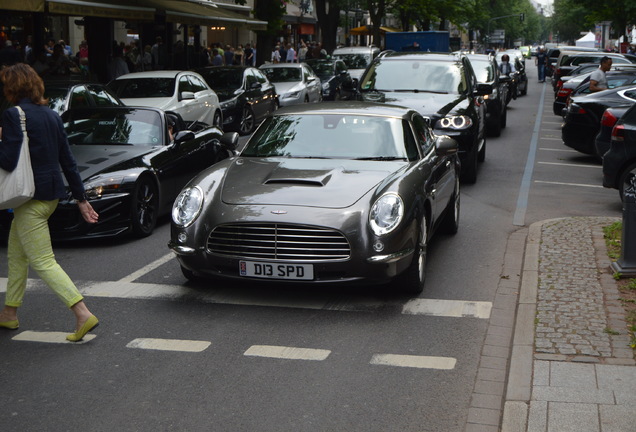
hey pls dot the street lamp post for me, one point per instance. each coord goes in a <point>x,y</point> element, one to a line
<point>522,16</point>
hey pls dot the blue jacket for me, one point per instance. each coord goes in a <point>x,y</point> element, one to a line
<point>49,150</point>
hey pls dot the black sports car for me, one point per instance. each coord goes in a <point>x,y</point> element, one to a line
<point>245,94</point>
<point>487,71</point>
<point>334,77</point>
<point>132,168</point>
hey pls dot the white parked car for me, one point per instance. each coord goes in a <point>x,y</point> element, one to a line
<point>295,83</point>
<point>183,92</point>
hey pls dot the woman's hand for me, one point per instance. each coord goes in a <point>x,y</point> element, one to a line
<point>86,209</point>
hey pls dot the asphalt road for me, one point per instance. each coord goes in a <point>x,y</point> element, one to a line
<point>172,355</point>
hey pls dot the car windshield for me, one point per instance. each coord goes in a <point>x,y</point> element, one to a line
<point>291,74</point>
<point>329,136</point>
<point>415,76</point>
<point>322,69</point>
<point>354,61</point>
<point>223,78</point>
<point>143,87</point>
<point>123,127</point>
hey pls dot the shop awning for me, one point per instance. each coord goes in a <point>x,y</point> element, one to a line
<point>194,13</point>
<point>367,30</point>
<point>116,9</point>
<point>23,5</point>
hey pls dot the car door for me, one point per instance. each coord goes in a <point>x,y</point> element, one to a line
<point>254,93</point>
<point>206,99</point>
<point>268,92</point>
<point>312,82</point>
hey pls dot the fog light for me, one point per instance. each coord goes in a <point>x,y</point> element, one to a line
<point>378,246</point>
<point>182,237</point>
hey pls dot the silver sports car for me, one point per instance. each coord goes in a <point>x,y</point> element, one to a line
<point>342,192</point>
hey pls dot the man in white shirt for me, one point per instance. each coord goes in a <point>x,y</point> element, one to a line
<point>291,54</point>
<point>598,79</point>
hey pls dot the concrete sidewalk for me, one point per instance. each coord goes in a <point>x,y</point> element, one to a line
<point>571,367</point>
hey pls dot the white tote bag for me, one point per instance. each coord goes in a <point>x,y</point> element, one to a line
<point>18,186</point>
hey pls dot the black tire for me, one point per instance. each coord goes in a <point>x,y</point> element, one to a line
<point>481,156</point>
<point>337,96</point>
<point>218,120</point>
<point>450,223</point>
<point>494,128</point>
<point>625,177</point>
<point>469,168</point>
<point>248,121</point>
<point>413,278</point>
<point>306,98</point>
<point>525,89</point>
<point>144,207</point>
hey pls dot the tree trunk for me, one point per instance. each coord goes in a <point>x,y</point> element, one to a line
<point>328,21</point>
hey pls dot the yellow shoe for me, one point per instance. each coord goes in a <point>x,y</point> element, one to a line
<point>89,325</point>
<point>11,325</point>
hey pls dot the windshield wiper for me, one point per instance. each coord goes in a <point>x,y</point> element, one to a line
<point>419,91</point>
<point>381,158</point>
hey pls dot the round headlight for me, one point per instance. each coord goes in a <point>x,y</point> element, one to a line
<point>455,122</point>
<point>386,213</point>
<point>187,206</point>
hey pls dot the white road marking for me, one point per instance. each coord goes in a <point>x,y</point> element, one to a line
<point>289,353</point>
<point>550,139</point>
<point>571,165</point>
<point>448,308</point>
<point>147,269</point>
<point>421,362</point>
<point>552,122</point>
<point>169,344</point>
<point>49,337</point>
<point>569,184</point>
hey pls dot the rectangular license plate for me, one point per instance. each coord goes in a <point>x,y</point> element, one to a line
<point>276,270</point>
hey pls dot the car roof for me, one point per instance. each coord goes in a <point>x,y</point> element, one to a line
<point>280,65</point>
<point>428,56</point>
<point>154,74</point>
<point>356,50</point>
<point>349,107</point>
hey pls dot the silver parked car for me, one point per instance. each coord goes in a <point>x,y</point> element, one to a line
<point>295,83</point>
<point>340,192</point>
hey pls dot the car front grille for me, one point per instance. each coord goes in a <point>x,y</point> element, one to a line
<point>282,242</point>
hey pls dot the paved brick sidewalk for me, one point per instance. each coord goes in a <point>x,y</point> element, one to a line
<point>569,369</point>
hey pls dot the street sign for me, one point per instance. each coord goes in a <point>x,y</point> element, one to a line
<point>498,36</point>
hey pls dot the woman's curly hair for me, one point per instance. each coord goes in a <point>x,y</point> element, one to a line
<point>22,81</point>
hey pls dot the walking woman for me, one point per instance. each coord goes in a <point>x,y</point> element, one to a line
<point>29,237</point>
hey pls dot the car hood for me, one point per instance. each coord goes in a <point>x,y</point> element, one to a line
<point>286,87</point>
<point>96,159</point>
<point>303,182</point>
<point>427,104</point>
<point>156,102</point>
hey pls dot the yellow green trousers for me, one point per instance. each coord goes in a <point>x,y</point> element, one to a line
<point>30,244</point>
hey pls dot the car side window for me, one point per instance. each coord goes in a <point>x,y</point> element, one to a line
<point>422,134</point>
<point>184,85</point>
<point>307,72</point>
<point>79,98</point>
<point>250,78</point>
<point>102,98</point>
<point>630,94</point>
<point>197,84</point>
<point>260,76</point>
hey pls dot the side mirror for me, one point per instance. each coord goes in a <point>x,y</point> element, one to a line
<point>445,146</point>
<point>186,95</point>
<point>230,140</point>
<point>483,89</point>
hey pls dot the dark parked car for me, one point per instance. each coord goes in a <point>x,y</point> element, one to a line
<point>487,71</point>
<point>64,95</point>
<point>609,119</point>
<point>441,87</point>
<point>245,94</point>
<point>568,61</point>
<point>131,169</point>
<point>335,78</point>
<point>338,193</point>
<point>581,86</point>
<point>583,116</point>
<point>619,163</point>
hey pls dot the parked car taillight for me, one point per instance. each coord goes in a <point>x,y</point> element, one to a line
<point>608,119</point>
<point>564,92</point>
<point>618,133</point>
<point>559,84</point>
<point>575,109</point>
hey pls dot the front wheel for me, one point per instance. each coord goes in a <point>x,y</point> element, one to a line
<point>144,207</point>
<point>627,178</point>
<point>247,121</point>
<point>412,280</point>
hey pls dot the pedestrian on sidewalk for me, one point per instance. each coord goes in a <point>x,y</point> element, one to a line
<point>29,237</point>
<point>541,60</point>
